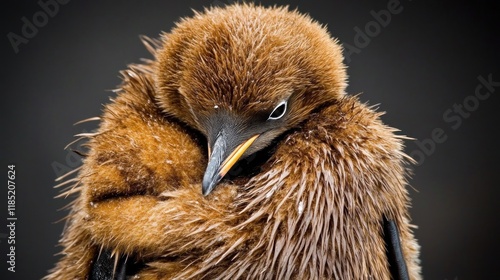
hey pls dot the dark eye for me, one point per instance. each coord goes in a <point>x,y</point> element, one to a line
<point>278,112</point>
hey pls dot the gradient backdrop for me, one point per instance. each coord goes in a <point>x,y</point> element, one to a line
<point>421,67</point>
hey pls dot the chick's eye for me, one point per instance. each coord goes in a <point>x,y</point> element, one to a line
<point>278,112</point>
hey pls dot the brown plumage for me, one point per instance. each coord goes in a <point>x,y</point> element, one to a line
<point>321,170</point>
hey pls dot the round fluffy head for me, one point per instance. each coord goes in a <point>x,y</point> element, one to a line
<point>242,61</point>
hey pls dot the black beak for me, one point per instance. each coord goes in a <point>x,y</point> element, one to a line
<point>222,156</point>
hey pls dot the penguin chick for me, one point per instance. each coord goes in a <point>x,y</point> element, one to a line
<point>326,196</point>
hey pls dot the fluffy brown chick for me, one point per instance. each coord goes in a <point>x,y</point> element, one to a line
<point>263,87</point>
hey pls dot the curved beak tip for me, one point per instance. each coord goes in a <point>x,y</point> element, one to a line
<point>209,184</point>
<point>205,190</point>
<point>220,163</point>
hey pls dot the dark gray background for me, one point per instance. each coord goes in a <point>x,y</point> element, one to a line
<point>427,59</point>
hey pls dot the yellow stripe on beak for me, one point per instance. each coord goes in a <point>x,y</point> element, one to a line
<point>235,155</point>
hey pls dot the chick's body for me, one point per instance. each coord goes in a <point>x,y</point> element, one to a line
<point>314,210</point>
